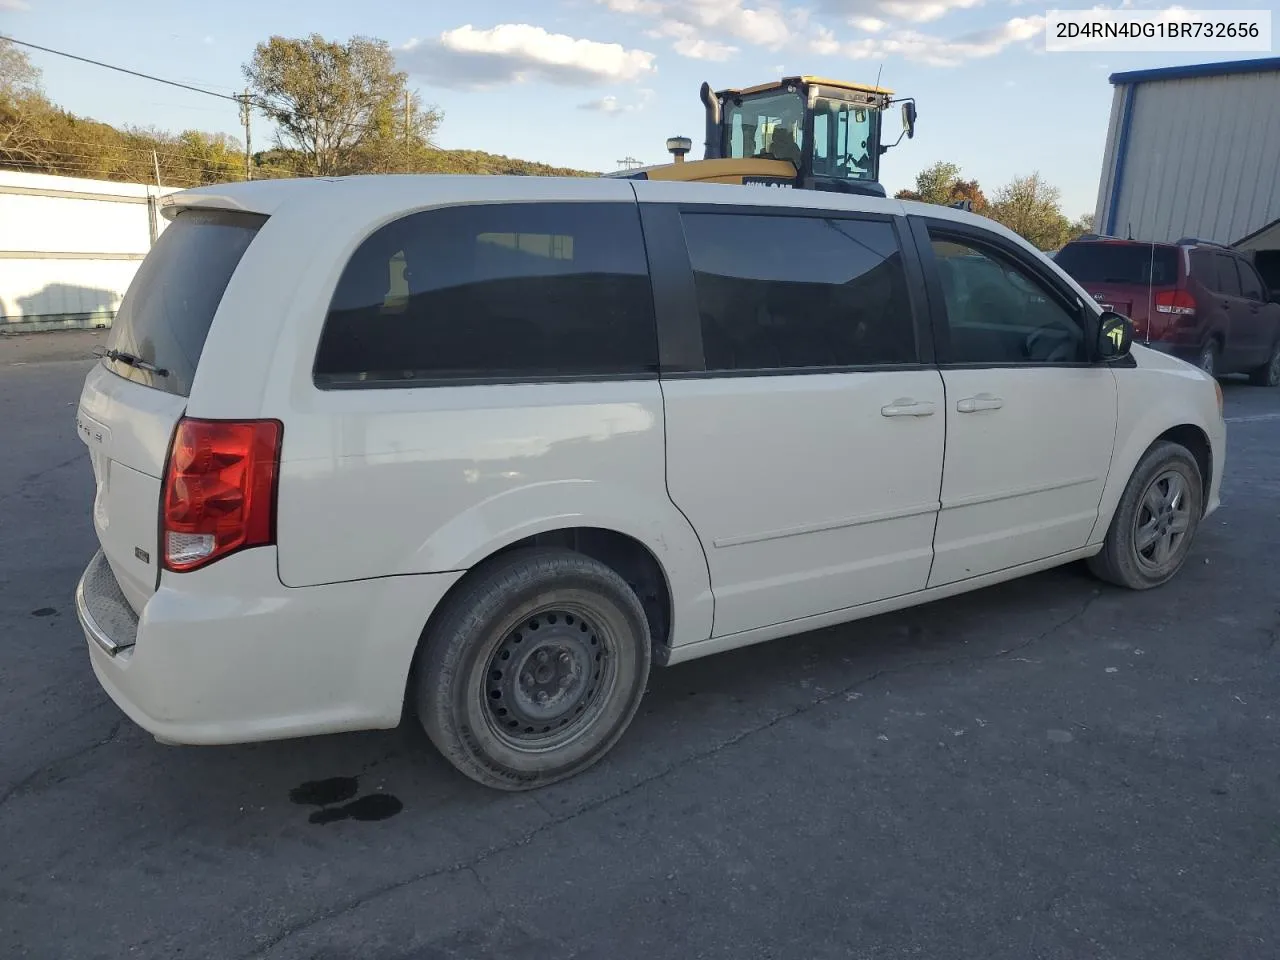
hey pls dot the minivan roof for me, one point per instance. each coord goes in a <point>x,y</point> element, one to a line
<point>376,196</point>
<point>268,196</point>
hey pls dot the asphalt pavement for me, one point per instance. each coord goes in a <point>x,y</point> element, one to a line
<point>1046,769</point>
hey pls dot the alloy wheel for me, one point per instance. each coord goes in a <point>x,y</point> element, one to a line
<point>1162,521</point>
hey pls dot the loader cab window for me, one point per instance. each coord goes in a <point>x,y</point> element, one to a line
<point>844,140</point>
<point>769,126</point>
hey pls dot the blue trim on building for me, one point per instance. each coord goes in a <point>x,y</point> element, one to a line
<point>1122,151</point>
<point>1192,70</point>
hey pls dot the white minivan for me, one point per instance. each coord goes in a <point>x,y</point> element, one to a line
<point>490,447</point>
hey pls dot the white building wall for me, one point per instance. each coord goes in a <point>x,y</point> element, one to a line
<point>1202,158</point>
<point>69,248</point>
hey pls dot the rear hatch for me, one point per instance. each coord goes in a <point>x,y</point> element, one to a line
<point>1124,276</point>
<point>133,398</point>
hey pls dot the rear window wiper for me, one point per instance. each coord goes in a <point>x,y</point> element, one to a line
<point>130,360</point>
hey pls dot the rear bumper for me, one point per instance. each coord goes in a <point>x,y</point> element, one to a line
<point>228,655</point>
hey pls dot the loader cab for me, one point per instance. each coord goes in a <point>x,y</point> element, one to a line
<point>830,132</point>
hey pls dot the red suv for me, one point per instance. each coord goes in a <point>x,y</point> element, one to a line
<point>1199,301</point>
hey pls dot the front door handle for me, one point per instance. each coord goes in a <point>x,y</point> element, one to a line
<point>907,407</point>
<point>983,401</point>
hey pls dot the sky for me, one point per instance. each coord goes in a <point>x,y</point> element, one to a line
<point>586,83</point>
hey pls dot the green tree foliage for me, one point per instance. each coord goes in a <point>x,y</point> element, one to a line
<point>1082,225</point>
<point>941,184</point>
<point>39,137</point>
<point>1031,207</point>
<point>1026,205</point>
<point>340,107</point>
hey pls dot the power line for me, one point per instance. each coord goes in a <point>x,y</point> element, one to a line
<point>132,73</point>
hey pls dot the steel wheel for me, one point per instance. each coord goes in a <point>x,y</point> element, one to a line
<point>1161,522</point>
<point>547,679</point>
<point>533,667</point>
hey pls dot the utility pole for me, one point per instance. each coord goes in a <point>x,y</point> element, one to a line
<point>244,118</point>
<point>408,113</point>
<point>156,160</point>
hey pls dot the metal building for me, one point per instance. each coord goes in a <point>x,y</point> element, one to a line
<point>1194,151</point>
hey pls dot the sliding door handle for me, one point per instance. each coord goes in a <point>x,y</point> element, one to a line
<point>907,407</point>
<point>983,401</point>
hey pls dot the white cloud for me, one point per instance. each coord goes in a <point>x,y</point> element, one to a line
<point>611,105</point>
<point>913,11</point>
<point>518,52</point>
<point>923,11</point>
<point>700,27</point>
<point>929,49</point>
<point>869,24</point>
<point>14,6</point>
<point>689,44</point>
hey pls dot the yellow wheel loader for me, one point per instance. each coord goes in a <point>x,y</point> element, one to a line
<point>803,132</point>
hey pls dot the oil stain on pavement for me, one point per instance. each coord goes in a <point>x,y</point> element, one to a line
<point>328,794</point>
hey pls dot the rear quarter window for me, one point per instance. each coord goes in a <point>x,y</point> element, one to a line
<point>478,293</point>
<point>168,309</point>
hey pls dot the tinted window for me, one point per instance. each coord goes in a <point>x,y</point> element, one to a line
<point>1268,264</point>
<point>1250,282</point>
<point>998,313</point>
<point>494,291</point>
<point>1128,263</point>
<point>169,307</point>
<point>781,291</point>
<point>1228,280</point>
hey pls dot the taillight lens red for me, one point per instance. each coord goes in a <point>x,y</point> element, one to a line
<point>1178,303</point>
<point>219,490</point>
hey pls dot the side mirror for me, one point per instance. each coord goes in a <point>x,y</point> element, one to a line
<point>909,118</point>
<point>1115,336</point>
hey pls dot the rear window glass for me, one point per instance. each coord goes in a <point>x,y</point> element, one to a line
<point>169,307</point>
<point>1125,263</point>
<point>480,292</point>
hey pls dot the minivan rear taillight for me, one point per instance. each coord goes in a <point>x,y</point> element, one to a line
<point>1176,302</point>
<point>219,490</point>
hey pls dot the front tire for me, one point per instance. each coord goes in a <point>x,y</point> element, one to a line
<point>1268,375</point>
<point>533,671</point>
<point>1155,522</point>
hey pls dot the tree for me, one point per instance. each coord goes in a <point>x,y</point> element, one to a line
<point>1081,226</point>
<point>1030,207</point>
<point>941,184</point>
<point>23,109</point>
<point>340,107</point>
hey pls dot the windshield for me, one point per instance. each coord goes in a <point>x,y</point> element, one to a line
<point>1127,263</point>
<point>845,136</point>
<point>767,125</point>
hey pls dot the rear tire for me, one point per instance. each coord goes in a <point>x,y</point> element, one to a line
<point>1268,375</point>
<point>1155,522</point>
<point>534,669</point>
